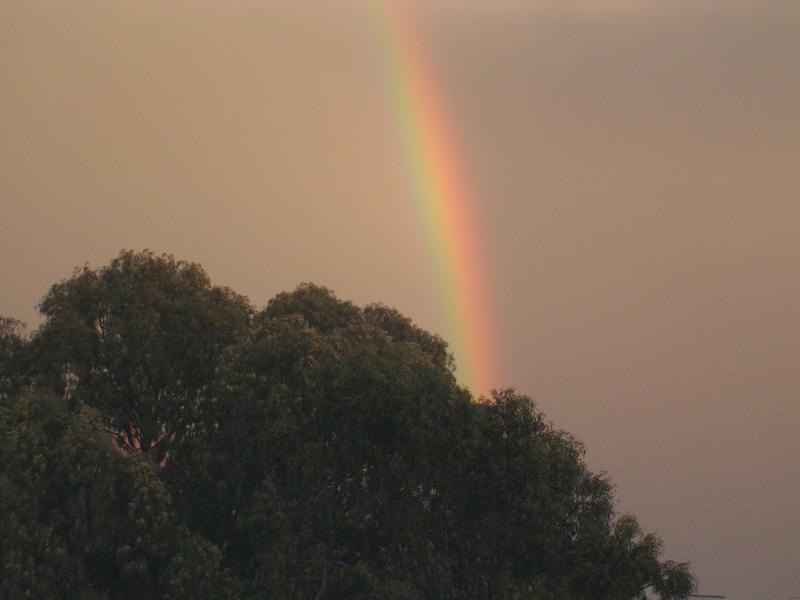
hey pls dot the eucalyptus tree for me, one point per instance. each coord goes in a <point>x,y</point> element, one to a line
<point>14,359</point>
<point>81,519</point>
<point>344,412</point>
<point>140,340</point>
<point>175,437</point>
<point>341,459</point>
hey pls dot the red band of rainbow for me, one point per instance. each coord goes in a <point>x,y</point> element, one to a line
<point>440,191</point>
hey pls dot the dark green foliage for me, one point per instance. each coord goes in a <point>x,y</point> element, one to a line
<point>343,422</point>
<point>14,358</point>
<point>139,340</point>
<point>313,450</point>
<point>401,329</point>
<point>79,519</point>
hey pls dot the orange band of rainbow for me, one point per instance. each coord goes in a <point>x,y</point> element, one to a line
<point>441,196</point>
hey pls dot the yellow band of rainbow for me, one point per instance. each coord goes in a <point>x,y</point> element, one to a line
<point>441,196</point>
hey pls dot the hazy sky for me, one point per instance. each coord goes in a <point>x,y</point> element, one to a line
<point>637,166</point>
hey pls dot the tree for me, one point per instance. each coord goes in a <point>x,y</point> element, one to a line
<point>79,519</point>
<point>368,470</point>
<point>139,340</point>
<point>14,360</point>
<point>313,449</point>
<point>342,421</point>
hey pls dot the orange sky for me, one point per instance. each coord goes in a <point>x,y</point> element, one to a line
<point>637,166</point>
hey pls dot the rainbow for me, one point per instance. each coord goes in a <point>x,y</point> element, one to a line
<point>441,195</point>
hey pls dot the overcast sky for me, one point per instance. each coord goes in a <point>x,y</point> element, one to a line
<point>637,169</point>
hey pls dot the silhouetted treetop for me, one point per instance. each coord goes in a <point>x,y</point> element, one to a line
<point>161,438</point>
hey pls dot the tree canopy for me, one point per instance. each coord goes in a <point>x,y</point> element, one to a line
<point>140,341</point>
<point>14,363</point>
<point>162,438</point>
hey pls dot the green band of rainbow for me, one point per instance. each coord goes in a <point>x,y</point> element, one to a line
<point>441,196</point>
